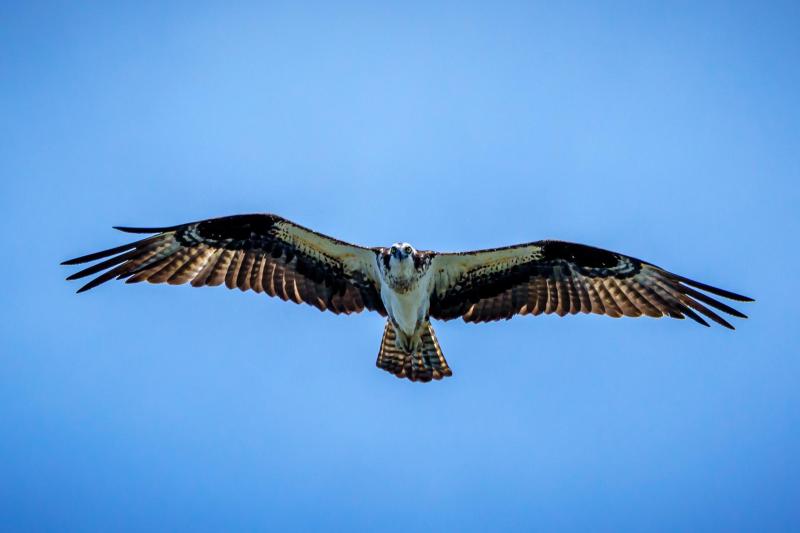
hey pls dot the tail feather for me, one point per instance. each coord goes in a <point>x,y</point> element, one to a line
<point>426,364</point>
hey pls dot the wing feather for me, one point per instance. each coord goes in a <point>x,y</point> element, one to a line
<point>232,275</point>
<point>257,274</point>
<point>540,303</point>
<point>582,292</point>
<point>597,306</point>
<point>191,267</point>
<point>220,269</point>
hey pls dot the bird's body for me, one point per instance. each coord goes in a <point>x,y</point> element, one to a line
<point>266,253</point>
<point>406,287</point>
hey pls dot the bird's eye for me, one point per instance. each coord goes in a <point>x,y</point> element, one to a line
<point>407,249</point>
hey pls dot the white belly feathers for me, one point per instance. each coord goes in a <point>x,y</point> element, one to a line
<point>408,309</point>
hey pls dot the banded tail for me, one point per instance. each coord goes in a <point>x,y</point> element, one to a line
<point>427,364</point>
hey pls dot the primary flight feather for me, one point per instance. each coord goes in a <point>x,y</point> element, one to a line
<point>267,253</point>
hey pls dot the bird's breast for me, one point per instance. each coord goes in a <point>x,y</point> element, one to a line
<point>407,305</point>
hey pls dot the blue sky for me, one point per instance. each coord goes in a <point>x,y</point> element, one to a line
<point>669,132</point>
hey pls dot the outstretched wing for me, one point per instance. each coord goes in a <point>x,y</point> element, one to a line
<point>262,252</point>
<point>561,277</point>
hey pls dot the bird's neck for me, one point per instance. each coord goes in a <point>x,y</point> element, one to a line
<point>401,276</point>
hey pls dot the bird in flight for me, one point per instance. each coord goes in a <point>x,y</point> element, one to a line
<point>267,253</point>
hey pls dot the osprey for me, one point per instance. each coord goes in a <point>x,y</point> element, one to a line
<point>267,253</point>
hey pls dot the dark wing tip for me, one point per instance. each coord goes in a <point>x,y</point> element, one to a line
<point>119,249</point>
<point>128,229</point>
<point>694,316</point>
<point>91,285</point>
<point>714,290</point>
<point>737,297</point>
<point>107,253</point>
<point>724,323</point>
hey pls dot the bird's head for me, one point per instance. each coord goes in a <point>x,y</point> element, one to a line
<point>401,252</point>
<point>402,261</point>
